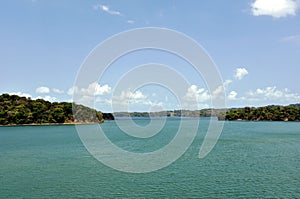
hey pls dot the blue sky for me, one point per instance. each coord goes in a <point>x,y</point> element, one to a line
<point>254,43</point>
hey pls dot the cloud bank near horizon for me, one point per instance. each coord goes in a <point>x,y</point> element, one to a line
<point>101,96</point>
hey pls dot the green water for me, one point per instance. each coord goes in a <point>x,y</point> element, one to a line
<point>250,160</point>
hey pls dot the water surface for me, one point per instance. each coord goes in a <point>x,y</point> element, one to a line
<point>250,160</point>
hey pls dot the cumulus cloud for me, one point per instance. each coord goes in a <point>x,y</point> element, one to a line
<point>273,94</point>
<point>268,95</point>
<point>195,98</point>
<point>27,95</point>
<point>72,90</point>
<point>47,98</point>
<point>219,93</point>
<point>240,73</point>
<point>274,8</point>
<point>42,90</point>
<point>89,95</point>
<point>137,100</point>
<point>56,90</point>
<point>138,95</point>
<point>96,89</point>
<point>200,94</point>
<point>232,95</point>
<point>127,97</point>
<point>93,89</point>
<point>106,9</point>
<point>227,83</point>
<point>199,98</point>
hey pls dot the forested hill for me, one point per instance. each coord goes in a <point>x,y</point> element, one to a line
<point>266,113</point>
<point>21,110</point>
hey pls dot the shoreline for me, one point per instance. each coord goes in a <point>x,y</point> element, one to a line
<point>91,123</point>
<point>51,124</point>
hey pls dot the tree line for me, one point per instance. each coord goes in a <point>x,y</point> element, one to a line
<point>21,110</point>
<point>265,113</point>
<point>209,112</point>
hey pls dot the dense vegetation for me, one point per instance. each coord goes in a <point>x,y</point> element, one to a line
<point>175,113</point>
<point>266,113</point>
<point>20,110</point>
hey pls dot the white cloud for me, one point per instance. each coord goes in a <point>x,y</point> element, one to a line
<point>273,95</point>
<point>263,96</point>
<point>129,97</point>
<point>240,73</point>
<point>232,95</point>
<point>27,95</point>
<point>106,9</point>
<point>274,8</point>
<point>50,98</point>
<point>195,98</point>
<point>46,90</point>
<point>142,100</point>
<point>94,89</point>
<point>42,89</point>
<point>138,95</point>
<point>199,98</point>
<point>227,83</point>
<point>138,101</point>
<point>47,98</point>
<point>200,94</point>
<point>219,92</point>
<point>58,91</point>
<point>72,90</point>
<point>88,96</point>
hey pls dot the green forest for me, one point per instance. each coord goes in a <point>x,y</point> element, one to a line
<point>266,113</point>
<point>174,113</point>
<point>16,110</point>
<point>21,110</point>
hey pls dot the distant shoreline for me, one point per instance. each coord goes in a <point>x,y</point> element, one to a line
<point>21,111</point>
<point>122,118</point>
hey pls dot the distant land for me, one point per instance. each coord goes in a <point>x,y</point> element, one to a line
<point>17,110</point>
<point>265,113</point>
<point>174,113</point>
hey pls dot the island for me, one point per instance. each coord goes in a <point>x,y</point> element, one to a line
<point>17,110</point>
